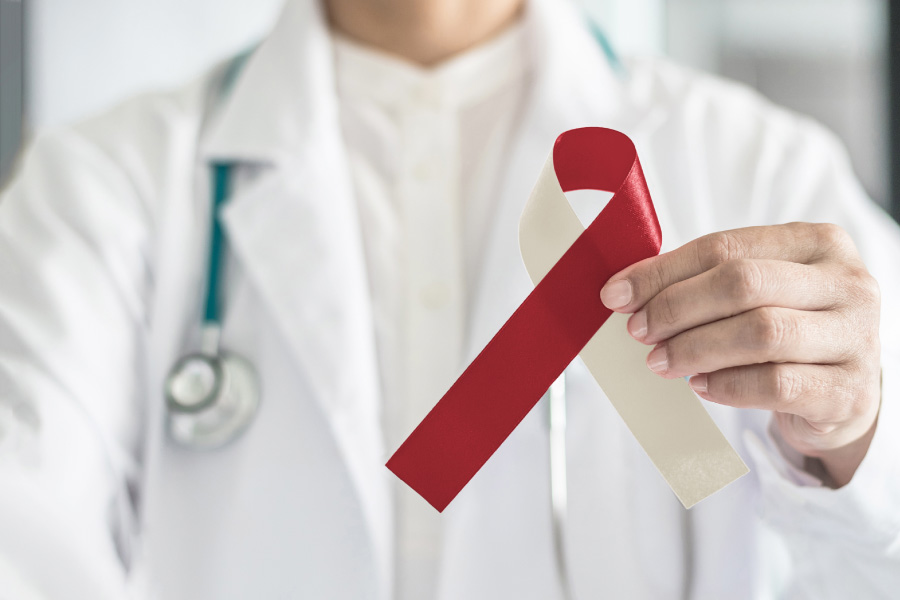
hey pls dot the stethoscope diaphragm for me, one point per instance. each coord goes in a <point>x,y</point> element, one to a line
<point>211,399</point>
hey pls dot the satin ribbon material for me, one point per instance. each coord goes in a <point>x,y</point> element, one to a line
<point>561,318</point>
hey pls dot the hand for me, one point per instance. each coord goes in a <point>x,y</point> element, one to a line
<point>782,318</point>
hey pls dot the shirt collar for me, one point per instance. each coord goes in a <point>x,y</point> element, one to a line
<point>284,102</point>
<point>368,74</point>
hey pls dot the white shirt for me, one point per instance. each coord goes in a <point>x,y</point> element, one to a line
<point>425,149</point>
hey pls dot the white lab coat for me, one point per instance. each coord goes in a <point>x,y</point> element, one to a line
<point>102,251</point>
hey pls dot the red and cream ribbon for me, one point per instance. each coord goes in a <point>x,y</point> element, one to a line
<point>562,318</point>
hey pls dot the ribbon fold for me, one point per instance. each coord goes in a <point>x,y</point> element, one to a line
<point>562,317</point>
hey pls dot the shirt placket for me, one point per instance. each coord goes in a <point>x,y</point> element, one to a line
<point>434,302</point>
<point>435,294</point>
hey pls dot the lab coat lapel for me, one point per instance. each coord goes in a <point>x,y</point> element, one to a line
<point>294,230</point>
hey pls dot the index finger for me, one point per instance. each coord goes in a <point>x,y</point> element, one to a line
<point>629,289</point>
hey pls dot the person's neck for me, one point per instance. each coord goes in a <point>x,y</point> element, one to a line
<point>422,31</point>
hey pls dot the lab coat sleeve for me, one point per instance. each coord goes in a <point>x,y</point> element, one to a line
<point>844,543</point>
<point>73,276</point>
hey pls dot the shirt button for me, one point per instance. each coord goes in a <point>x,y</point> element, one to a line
<point>434,295</point>
<point>428,95</point>
<point>427,169</point>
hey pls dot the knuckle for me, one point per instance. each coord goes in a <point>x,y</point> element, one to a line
<point>743,280</point>
<point>647,282</point>
<point>832,238</point>
<point>839,397</point>
<point>866,286</point>
<point>849,406</point>
<point>715,249</point>
<point>664,312</point>
<point>829,233</point>
<point>728,384</point>
<point>681,353</point>
<point>860,293</point>
<point>785,386</point>
<point>852,393</point>
<point>768,329</point>
<point>657,278</point>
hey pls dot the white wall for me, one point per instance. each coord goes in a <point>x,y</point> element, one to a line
<point>820,57</point>
<point>87,54</point>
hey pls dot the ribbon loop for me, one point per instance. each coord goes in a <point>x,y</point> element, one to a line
<point>562,317</point>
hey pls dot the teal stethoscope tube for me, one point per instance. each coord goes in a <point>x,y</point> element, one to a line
<point>608,51</point>
<point>212,395</point>
<point>221,189</point>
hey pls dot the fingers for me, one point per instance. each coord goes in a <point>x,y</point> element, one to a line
<point>757,336</point>
<point>781,318</point>
<point>731,288</point>
<point>820,394</point>
<point>804,243</point>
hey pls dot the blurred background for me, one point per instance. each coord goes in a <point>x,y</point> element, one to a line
<point>61,60</point>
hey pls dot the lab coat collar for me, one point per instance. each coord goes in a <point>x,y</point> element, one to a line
<point>282,101</point>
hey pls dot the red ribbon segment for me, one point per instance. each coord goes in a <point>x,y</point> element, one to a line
<point>547,331</point>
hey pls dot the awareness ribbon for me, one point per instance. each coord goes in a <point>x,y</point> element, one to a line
<point>562,318</point>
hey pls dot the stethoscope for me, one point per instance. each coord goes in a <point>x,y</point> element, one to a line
<point>212,395</point>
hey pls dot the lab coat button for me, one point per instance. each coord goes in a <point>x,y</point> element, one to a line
<point>434,295</point>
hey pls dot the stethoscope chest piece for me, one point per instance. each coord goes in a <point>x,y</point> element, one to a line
<point>211,399</point>
<point>211,395</point>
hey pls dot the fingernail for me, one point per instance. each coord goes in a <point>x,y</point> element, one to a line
<point>637,325</point>
<point>657,360</point>
<point>699,383</point>
<point>616,294</point>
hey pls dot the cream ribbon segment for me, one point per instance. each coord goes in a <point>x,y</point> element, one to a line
<point>665,416</point>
